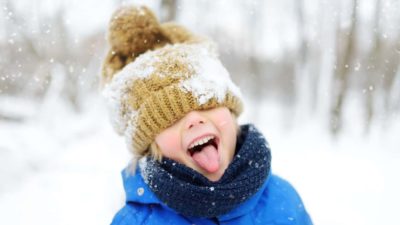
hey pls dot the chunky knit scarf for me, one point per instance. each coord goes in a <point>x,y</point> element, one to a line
<point>191,194</point>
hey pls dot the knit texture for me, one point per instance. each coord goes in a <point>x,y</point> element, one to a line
<point>191,194</point>
<point>154,74</point>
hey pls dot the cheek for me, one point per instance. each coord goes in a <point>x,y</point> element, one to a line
<point>226,123</point>
<point>168,142</point>
<point>224,119</point>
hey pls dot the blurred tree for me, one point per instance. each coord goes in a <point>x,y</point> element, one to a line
<point>168,10</point>
<point>39,51</point>
<point>346,42</point>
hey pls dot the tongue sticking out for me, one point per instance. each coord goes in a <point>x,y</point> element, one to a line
<point>207,158</point>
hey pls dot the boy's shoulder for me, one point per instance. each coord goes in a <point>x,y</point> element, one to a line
<point>129,214</point>
<point>282,188</point>
<point>284,202</point>
<point>151,214</point>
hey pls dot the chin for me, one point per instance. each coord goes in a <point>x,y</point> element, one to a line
<point>216,176</point>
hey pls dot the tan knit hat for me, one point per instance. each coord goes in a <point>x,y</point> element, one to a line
<point>154,74</point>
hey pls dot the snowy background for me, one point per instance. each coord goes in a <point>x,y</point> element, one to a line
<point>321,80</point>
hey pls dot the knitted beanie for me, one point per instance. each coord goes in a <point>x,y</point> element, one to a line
<point>154,74</point>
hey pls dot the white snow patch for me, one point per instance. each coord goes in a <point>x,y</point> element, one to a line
<point>146,170</point>
<point>143,168</point>
<point>17,108</point>
<point>115,92</point>
<point>112,97</point>
<point>211,81</point>
<point>142,67</point>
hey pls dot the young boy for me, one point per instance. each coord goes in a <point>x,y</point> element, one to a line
<point>176,105</point>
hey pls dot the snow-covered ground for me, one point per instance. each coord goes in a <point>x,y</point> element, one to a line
<point>63,168</point>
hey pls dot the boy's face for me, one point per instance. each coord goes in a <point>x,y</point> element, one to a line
<point>202,140</point>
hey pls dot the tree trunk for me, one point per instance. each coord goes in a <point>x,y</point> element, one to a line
<point>168,10</point>
<point>345,57</point>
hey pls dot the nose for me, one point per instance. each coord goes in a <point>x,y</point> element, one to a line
<point>193,119</point>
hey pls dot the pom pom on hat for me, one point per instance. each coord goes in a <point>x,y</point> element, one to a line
<point>154,74</point>
<point>133,31</point>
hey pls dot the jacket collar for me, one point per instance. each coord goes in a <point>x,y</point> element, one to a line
<point>138,191</point>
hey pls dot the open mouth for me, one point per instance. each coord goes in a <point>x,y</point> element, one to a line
<point>200,144</point>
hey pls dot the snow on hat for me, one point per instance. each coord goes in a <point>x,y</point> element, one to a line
<point>154,74</point>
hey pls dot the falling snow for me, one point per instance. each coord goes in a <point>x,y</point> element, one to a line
<point>58,152</point>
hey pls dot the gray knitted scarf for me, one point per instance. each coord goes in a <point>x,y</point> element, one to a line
<point>191,194</point>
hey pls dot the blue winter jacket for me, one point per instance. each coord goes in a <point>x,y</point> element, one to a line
<point>277,202</point>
